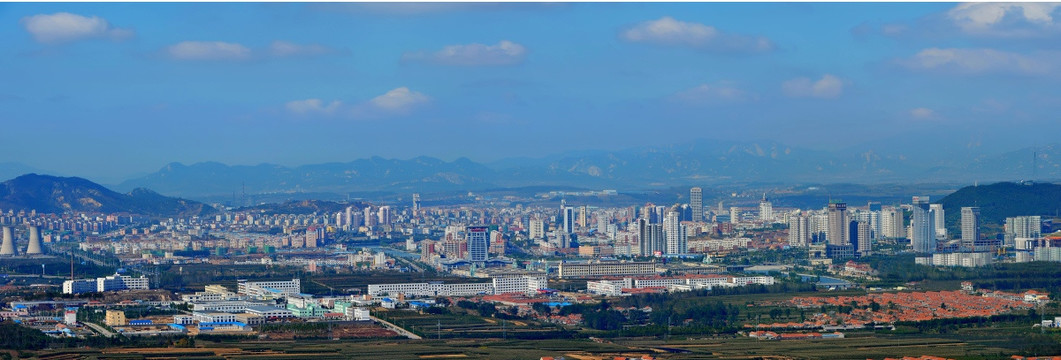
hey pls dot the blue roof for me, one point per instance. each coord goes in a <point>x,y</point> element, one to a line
<point>220,323</point>
<point>140,322</point>
<point>177,326</point>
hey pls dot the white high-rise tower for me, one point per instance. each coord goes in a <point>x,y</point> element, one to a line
<point>922,227</point>
<point>674,231</point>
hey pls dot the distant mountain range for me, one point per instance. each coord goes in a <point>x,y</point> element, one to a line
<point>51,194</point>
<point>302,207</point>
<point>696,163</point>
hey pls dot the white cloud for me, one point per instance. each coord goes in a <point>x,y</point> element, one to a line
<point>313,107</point>
<point>399,100</point>
<point>827,87</point>
<point>1003,19</point>
<point>922,113</point>
<point>503,53</point>
<point>980,61</point>
<point>282,48</point>
<point>669,31</point>
<point>208,50</point>
<point>65,27</point>
<point>713,94</point>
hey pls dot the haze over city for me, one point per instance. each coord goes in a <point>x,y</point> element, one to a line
<point>108,91</point>
<point>587,181</point>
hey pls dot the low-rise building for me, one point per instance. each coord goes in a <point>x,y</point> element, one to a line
<point>183,319</point>
<point>527,284</point>
<point>606,268</point>
<point>270,312</point>
<point>269,289</point>
<point>250,319</point>
<point>213,317</point>
<point>110,283</point>
<point>431,289</point>
<point>115,318</point>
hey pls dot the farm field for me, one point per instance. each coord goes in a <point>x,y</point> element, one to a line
<point>866,345</point>
<point>461,325</point>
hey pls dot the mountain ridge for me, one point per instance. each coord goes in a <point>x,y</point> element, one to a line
<point>54,194</point>
<point>695,163</point>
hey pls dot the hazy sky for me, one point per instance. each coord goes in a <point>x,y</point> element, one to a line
<point>107,90</point>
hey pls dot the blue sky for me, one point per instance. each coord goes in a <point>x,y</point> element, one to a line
<point>109,90</point>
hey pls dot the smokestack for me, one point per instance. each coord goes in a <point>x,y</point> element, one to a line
<point>8,247</point>
<point>34,247</point>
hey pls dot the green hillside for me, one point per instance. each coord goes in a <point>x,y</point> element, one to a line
<point>1001,200</point>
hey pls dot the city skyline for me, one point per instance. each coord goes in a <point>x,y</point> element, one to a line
<point>295,84</point>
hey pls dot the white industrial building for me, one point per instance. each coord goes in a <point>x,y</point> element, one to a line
<point>110,283</point>
<point>228,306</point>
<point>431,289</point>
<point>213,317</point>
<point>269,289</point>
<point>520,284</point>
<point>688,282</point>
<point>270,312</point>
<point>606,268</point>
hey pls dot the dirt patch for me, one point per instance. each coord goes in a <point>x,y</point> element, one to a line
<point>443,356</point>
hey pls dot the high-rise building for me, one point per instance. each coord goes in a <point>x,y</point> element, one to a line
<point>537,229</point>
<point>818,223</point>
<point>696,202</point>
<point>970,226</point>
<point>348,220</point>
<point>892,223</point>
<point>766,210</point>
<point>569,220</point>
<point>370,219</point>
<point>384,215</point>
<point>416,204</point>
<point>478,238</point>
<point>838,232</point>
<point>583,214</point>
<point>873,206</point>
<point>1024,226</point>
<point>603,219</point>
<point>1022,229</point>
<point>798,231</point>
<point>939,220</point>
<point>873,219</point>
<point>674,231</point>
<point>734,215</point>
<point>650,237</point>
<point>861,237</point>
<point>922,226</point>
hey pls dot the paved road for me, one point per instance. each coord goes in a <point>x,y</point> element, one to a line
<point>99,329</point>
<point>397,329</point>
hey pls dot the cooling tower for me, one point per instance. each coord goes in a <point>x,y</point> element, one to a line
<point>8,247</point>
<point>34,247</point>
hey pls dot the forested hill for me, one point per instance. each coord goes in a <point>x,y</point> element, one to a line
<point>1001,200</point>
